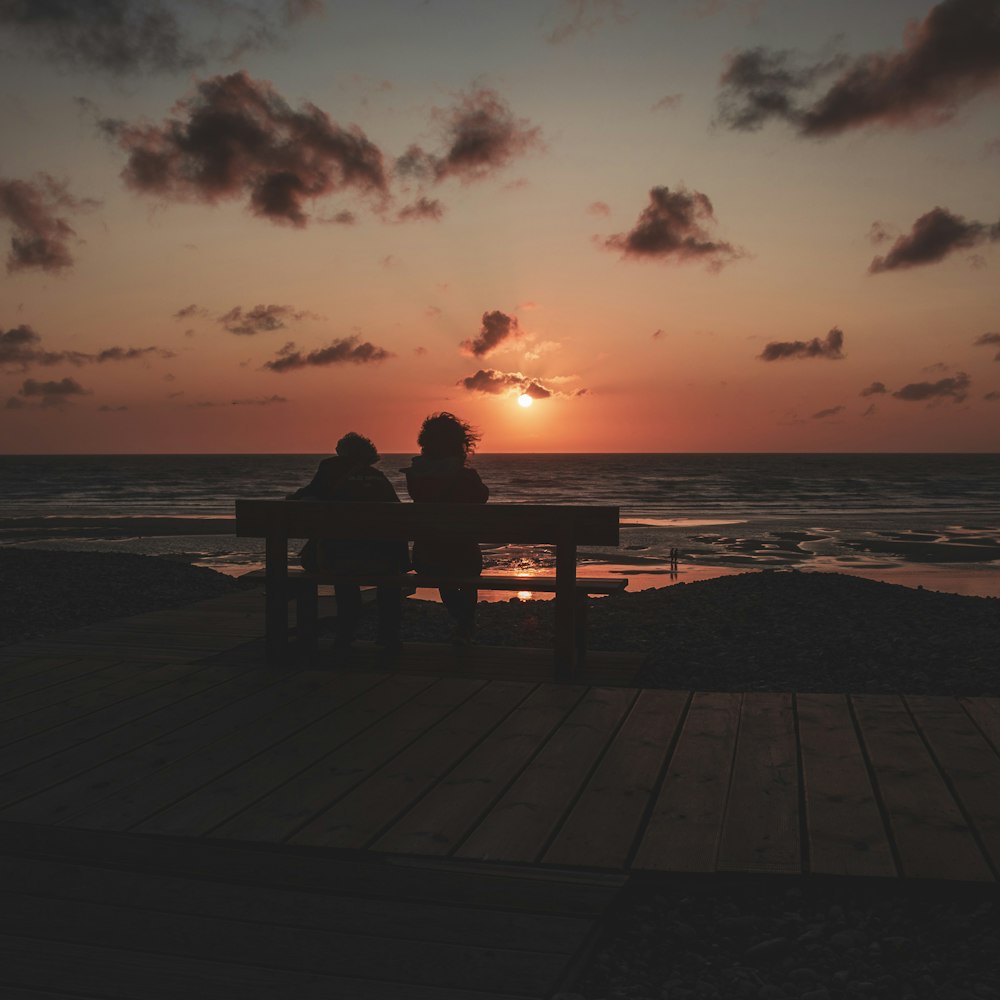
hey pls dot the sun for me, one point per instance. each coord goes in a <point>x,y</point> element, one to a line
<point>524,400</point>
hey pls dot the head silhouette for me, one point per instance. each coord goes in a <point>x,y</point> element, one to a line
<point>443,435</point>
<point>357,450</point>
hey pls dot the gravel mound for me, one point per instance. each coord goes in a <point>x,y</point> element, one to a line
<point>47,592</point>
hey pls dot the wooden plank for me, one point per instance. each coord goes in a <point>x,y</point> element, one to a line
<point>281,947</point>
<point>930,834</point>
<point>443,817</point>
<point>685,825</point>
<point>450,882</point>
<point>846,835</point>
<point>16,667</point>
<point>968,762</point>
<point>360,816</point>
<point>521,823</point>
<point>760,831</point>
<point>985,712</point>
<point>68,736</point>
<point>600,830</point>
<point>88,675</point>
<point>281,814</point>
<point>337,911</point>
<point>198,722</point>
<point>243,786</point>
<point>316,697</point>
<point>134,975</point>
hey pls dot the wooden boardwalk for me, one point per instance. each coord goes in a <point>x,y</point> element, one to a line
<point>168,730</point>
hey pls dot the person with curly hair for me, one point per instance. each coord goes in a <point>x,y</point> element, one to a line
<point>441,474</point>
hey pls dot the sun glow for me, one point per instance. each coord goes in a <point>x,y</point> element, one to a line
<point>524,400</point>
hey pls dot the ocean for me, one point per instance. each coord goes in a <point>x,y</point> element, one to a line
<point>920,520</point>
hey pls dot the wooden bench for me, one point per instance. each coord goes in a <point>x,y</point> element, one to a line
<point>565,527</point>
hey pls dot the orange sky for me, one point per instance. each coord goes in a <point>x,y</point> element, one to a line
<point>302,219</point>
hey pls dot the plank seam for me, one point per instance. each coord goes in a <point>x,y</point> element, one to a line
<point>805,860</point>
<point>729,783</point>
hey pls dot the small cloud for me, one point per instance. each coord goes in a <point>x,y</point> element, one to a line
<point>875,389</point>
<point>237,137</point>
<point>262,401</point>
<point>52,393</point>
<point>938,366</point>
<point>432,312</point>
<point>947,58</point>
<point>190,311</point>
<point>35,210</point>
<point>599,208</point>
<point>657,334</point>
<point>341,218</point>
<point>111,409</point>
<point>988,340</point>
<point>878,233</point>
<point>668,103</point>
<point>422,208</point>
<point>346,350</point>
<point>992,396</point>
<point>831,411</point>
<point>934,235</point>
<point>262,319</point>
<point>830,348</point>
<point>673,227</point>
<point>496,329</point>
<point>481,136</point>
<point>491,382</point>
<point>870,411</point>
<point>955,388</point>
<point>419,351</point>
<point>584,16</point>
<point>13,403</point>
<point>20,348</point>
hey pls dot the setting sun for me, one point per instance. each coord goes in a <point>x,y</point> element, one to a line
<point>524,400</point>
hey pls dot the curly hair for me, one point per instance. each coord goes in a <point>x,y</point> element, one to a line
<point>443,435</point>
<point>357,449</point>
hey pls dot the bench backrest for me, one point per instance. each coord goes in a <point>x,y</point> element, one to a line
<point>493,522</point>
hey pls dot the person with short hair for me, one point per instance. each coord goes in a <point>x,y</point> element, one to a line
<point>350,476</point>
<point>441,474</point>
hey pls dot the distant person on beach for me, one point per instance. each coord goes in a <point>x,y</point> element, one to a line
<point>350,476</point>
<point>440,474</point>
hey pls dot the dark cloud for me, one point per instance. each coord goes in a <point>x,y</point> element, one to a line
<point>237,137</point>
<point>585,16</point>
<point>934,235</point>
<point>831,411</point>
<point>672,227</point>
<point>41,235</point>
<point>992,396</point>
<point>497,327</point>
<point>15,404</point>
<point>875,389</point>
<point>988,340</point>
<point>52,393</point>
<point>347,349</point>
<point>342,218</point>
<point>261,319</point>
<point>422,208</point>
<point>830,347</point>
<point>262,401</point>
<point>192,310</point>
<point>945,59</point>
<point>20,348</point>
<point>131,37</point>
<point>956,387</point>
<point>481,136</point>
<point>491,382</point>
<point>668,103</point>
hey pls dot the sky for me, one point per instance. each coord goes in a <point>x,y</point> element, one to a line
<point>667,225</point>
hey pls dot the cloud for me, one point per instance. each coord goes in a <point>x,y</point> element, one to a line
<point>992,396</point>
<point>988,340</point>
<point>52,393</point>
<point>131,37</point>
<point>13,403</point>
<point>870,411</point>
<point>585,16</point>
<point>668,103</point>
<point>947,58</point>
<point>878,233</point>
<point>875,389</point>
<point>480,136</point>
<point>598,208</point>
<point>491,382</point>
<point>237,137</point>
<point>831,411</point>
<point>656,334</point>
<point>20,348</point>
<point>830,347</point>
<point>497,328</point>
<point>342,351</point>
<point>41,237</point>
<point>192,310</point>
<point>261,319</point>
<point>934,235</point>
<point>262,401</point>
<point>672,227</point>
<point>111,409</point>
<point>342,218</point>
<point>955,387</point>
<point>422,208</point>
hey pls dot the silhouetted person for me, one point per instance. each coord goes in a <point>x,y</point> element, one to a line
<point>349,476</point>
<point>439,474</point>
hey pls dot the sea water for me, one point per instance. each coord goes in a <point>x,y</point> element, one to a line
<point>928,520</point>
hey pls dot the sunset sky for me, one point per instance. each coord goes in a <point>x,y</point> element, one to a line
<point>697,225</point>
